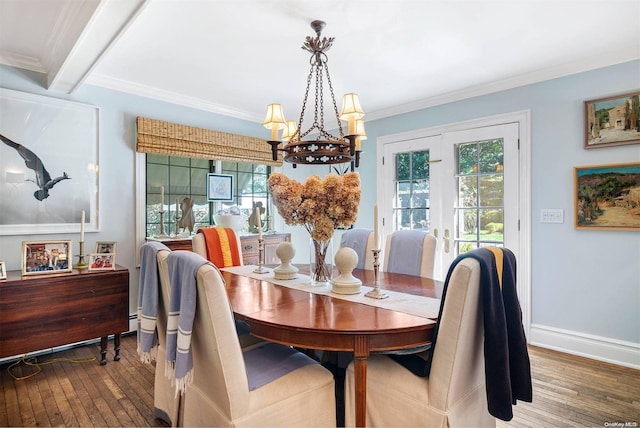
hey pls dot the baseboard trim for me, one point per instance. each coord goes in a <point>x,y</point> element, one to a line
<point>595,347</point>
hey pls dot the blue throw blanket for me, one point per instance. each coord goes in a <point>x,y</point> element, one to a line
<point>405,252</point>
<point>148,287</point>
<point>183,266</point>
<point>507,365</point>
<point>357,239</point>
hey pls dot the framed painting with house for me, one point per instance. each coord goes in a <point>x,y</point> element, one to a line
<point>612,121</point>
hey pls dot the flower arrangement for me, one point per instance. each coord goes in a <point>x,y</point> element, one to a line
<point>320,205</point>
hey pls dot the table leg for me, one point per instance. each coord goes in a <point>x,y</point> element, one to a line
<point>103,350</point>
<point>361,355</point>
<point>116,346</point>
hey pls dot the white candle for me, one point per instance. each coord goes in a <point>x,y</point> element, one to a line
<point>258,223</point>
<point>161,198</point>
<point>82,227</point>
<point>376,236</point>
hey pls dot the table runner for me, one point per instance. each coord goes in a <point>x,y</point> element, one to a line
<point>425,307</point>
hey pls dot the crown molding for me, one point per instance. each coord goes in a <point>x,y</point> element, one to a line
<point>629,53</point>
<point>22,61</point>
<point>169,97</point>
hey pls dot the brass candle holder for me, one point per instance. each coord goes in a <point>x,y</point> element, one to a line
<point>376,293</point>
<point>82,264</point>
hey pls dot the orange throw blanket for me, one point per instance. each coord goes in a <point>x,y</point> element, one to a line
<point>222,246</point>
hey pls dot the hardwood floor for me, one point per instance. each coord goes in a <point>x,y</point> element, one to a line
<point>568,391</point>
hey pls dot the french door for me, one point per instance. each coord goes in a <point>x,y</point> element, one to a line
<point>461,186</point>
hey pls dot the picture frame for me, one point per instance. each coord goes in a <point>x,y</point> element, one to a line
<point>63,136</point>
<point>219,187</point>
<point>3,271</point>
<point>46,257</point>
<point>612,121</point>
<point>102,261</point>
<point>103,247</point>
<point>607,197</point>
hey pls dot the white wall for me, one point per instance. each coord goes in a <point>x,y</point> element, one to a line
<point>585,284</point>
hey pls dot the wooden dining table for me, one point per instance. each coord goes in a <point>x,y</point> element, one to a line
<point>314,321</point>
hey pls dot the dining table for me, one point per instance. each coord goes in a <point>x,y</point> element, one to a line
<point>296,313</point>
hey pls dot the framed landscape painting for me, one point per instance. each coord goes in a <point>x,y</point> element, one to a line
<point>607,197</point>
<point>612,121</point>
<point>48,164</point>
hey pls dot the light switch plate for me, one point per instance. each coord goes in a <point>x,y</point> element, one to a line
<point>552,216</point>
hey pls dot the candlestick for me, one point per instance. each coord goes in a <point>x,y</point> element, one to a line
<point>376,293</point>
<point>376,236</point>
<point>81,263</point>
<point>82,227</point>
<point>260,268</point>
<point>259,223</point>
<point>162,198</point>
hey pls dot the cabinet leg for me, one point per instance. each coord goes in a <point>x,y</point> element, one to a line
<point>103,350</point>
<point>116,346</point>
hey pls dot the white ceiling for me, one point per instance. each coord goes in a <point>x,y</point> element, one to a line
<point>236,56</point>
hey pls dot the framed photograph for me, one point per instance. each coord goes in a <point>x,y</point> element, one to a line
<point>105,247</point>
<point>219,187</point>
<point>607,197</point>
<point>612,121</point>
<point>101,261</point>
<point>46,257</point>
<point>48,164</point>
<point>3,271</point>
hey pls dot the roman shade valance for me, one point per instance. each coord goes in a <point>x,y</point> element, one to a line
<point>172,139</point>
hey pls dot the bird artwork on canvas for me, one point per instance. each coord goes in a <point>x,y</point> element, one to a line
<point>43,180</point>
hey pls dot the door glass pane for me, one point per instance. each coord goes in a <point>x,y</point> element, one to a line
<point>467,158</point>
<point>411,204</point>
<point>403,166</point>
<point>468,191</point>
<point>491,225</point>
<point>490,156</point>
<point>492,190</point>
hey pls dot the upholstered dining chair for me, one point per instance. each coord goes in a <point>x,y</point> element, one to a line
<point>220,245</point>
<point>268,385</point>
<point>471,375</point>
<point>411,252</point>
<point>153,304</point>
<point>361,241</point>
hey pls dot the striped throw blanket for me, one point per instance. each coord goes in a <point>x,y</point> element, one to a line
<point>183,266</point>
<point>222,246</point>
<point>148,287</point>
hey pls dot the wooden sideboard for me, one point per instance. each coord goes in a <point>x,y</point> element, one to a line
<point>43,311</point>
<point>249,244</point>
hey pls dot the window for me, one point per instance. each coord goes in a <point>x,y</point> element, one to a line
<point>173,178</point>
<point>250,187</point>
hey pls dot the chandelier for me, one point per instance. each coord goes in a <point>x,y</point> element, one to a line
<point>316,145</point>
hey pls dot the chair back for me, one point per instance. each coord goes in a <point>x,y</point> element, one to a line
<point>218,364</point>
<point>361,241</point>
<point>220,245</point>
<point>457,365</point>
<point>410,252</point>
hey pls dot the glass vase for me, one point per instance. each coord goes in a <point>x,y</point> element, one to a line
<point>321,262</point>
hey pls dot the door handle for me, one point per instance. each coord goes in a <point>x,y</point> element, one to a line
<point>435,233</point>
<point>446,240</point>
